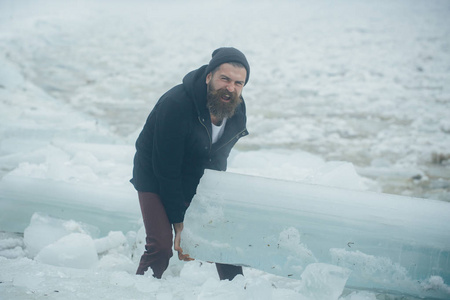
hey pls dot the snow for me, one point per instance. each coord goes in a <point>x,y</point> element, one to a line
<point>350,94</point>
<point>76,250</point>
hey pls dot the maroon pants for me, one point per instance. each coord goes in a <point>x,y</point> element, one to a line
<point>158,248</point>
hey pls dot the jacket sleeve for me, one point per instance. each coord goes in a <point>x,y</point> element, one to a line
<point>168,152</point>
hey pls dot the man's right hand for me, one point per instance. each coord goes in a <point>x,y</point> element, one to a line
<point>178,228</point>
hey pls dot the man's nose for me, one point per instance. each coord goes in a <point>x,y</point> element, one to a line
<point>231,87</point>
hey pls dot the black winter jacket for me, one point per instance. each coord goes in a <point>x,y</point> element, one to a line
<point>175,145</point>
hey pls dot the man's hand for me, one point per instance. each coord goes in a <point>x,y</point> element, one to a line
<point>178,227</point>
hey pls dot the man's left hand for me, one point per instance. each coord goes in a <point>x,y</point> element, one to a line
<point>178,227</point>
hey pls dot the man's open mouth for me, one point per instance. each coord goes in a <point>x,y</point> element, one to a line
<point>226,98</point>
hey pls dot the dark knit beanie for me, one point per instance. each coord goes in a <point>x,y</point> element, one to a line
<point>227,55</point>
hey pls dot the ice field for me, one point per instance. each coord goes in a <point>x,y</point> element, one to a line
<point>351,95</point>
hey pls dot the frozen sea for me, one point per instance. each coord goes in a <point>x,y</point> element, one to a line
<point>351,94</point>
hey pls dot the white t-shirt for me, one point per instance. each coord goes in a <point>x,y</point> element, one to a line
<point>217,131</point>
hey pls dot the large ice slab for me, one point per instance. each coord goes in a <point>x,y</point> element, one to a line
<point>389,242</point>
<point>109,208</point>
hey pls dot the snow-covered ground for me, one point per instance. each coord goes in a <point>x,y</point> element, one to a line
<point>353,94</point>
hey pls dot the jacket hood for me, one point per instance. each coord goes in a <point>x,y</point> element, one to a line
<point>194,84</point>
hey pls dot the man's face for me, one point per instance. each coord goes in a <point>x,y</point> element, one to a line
<point>224,89</point>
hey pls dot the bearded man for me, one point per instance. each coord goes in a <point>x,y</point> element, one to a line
<point>192,127</point>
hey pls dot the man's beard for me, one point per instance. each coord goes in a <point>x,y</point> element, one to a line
<point>219,108</point>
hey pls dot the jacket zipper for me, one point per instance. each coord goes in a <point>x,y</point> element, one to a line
<point>207,131</point>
